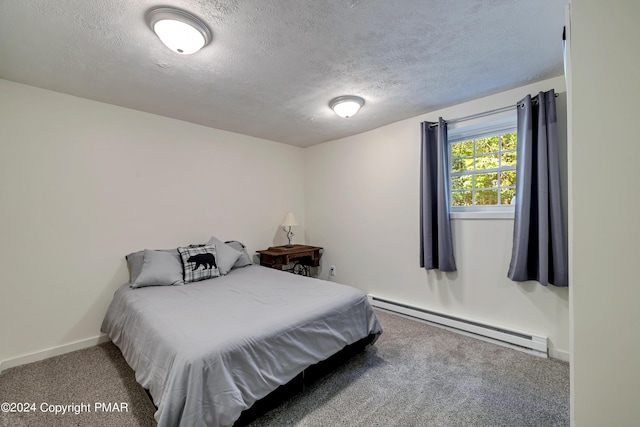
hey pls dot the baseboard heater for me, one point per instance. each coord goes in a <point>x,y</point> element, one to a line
<point>530,343</point>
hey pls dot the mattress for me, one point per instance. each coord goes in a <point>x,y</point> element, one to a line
<point>208,350</point>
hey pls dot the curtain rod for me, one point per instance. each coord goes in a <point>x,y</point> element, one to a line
<point>486,113</point>
<point>478,115</point>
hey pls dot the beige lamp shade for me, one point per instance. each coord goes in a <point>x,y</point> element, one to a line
<point>289,220</point>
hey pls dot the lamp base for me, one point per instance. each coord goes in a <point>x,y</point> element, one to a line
<point>289,236</point>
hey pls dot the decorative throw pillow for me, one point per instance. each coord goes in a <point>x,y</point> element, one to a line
<point>244,259</point>
<point>199,263</point>
<point>225,255</point>
<point>159,268</point>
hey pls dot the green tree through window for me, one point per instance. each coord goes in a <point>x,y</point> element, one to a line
<point>483,170</point>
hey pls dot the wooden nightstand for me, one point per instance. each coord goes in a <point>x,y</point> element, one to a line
<point>303,258</point>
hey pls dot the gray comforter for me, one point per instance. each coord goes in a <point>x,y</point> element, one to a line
<point>208,350</point>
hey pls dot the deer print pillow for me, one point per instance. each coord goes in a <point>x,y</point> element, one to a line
<point>199,263</point>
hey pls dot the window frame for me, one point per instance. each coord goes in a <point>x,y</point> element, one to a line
<point>476,130</point>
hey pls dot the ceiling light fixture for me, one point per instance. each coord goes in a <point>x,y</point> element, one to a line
<point>346,106</point>
<point>180,31</point>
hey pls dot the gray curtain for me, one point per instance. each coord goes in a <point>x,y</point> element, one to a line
<point>539,250</point>
<point>436,245</point>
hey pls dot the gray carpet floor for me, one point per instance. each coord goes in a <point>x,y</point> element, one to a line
<point>414,375</point>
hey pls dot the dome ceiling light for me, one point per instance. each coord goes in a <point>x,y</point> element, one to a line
<point>180,31</point>
<point>346,106</point>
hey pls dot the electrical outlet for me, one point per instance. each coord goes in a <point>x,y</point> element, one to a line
<point>332,270</point>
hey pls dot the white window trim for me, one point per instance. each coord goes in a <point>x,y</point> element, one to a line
<point>479,128</point>
<point>489,214</point>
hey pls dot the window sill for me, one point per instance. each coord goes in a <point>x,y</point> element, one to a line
<point>482,215</point>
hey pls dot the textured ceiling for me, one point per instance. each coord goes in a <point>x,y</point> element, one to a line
<point>274,65</point>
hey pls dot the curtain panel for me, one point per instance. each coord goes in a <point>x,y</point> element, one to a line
<point>436,245</point>
<point>539,245</point>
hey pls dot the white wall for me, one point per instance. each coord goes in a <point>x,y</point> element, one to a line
<point>362,206</point>
<point>606,230</point>
<point>84,183</point>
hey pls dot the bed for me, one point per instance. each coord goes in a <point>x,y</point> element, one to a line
<point>208,350</point>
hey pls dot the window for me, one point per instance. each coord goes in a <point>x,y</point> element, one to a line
<point>483,167</point>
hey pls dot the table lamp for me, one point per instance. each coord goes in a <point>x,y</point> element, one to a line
<point>288,222</point>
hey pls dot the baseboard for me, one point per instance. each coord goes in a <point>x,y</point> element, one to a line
<point>53,351</point>
<point>554,353</point>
